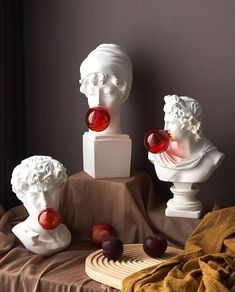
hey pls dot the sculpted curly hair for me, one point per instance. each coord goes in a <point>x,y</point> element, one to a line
<point>37,169</point>
<point>101,78</point>
<point>187,110</point>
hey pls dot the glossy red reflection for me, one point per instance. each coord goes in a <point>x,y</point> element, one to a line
<point>49,219</point>
<point>156,140</point>
<point>97,119</point>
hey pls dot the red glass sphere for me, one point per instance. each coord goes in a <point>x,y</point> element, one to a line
<point>97,119</point>
<point>156,140</point>
<point>49,219</point>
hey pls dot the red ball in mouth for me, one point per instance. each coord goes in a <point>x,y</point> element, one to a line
<point>49,219</point>
<point>97,119</point>
<point>156,140</point>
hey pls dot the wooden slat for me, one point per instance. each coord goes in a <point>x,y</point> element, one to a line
<point>134,259</point>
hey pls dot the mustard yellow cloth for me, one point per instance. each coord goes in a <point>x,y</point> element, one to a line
<point>206,264</point>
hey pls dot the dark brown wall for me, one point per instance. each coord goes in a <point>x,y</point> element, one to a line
<point>179,47</point>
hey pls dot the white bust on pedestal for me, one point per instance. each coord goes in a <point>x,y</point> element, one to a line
<point>106,79</point>
<point>37,182</point>
<point>189,159</point>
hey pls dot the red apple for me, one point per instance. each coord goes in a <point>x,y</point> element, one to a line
<point>155,245</point>
<point>100,232</point>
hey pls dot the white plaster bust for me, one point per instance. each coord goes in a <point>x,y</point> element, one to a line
<point>190,157</point>
<point>37,182</point>
<point>106,79</point>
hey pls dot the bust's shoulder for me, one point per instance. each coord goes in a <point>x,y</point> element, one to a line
<point>210,161</point>
<point>20,228</point>
<point>64,232</point>
<point>212,154</point>
<point>25,233</point>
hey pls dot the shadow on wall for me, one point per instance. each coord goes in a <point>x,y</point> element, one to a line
<point>142,112</point>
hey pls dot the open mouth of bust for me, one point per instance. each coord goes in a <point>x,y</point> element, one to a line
<point>49,219</point>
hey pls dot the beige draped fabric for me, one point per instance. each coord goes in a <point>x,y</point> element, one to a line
<point>129,205</point>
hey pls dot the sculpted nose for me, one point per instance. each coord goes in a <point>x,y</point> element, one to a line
<point>100,97</point>
<point>43,200</point>
<point>166,126</point>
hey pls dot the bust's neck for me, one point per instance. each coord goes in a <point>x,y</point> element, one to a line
<point>186,148</point>
<point>34,225</point>
<point>114,126</point>
<point>32,222</point>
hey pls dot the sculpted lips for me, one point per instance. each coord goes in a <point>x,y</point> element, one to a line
<point>49,219</point>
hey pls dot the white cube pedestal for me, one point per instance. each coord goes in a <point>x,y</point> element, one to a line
<point>106,156</point>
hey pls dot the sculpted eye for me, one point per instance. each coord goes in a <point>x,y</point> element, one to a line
<point>33,196</point>
<point>90,91</point>
<point>108,91</point>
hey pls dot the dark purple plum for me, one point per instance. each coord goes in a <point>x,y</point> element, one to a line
<point>112,247</point>
<point>155,245</point>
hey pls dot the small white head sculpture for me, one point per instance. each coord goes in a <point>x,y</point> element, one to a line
<point>190,157</point>
<point>37,182</point>
<point>106,79</point>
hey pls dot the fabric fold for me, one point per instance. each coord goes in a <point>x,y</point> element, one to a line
<point>205,265</point>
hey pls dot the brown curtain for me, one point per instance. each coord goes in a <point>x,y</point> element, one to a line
<point>12,101</point>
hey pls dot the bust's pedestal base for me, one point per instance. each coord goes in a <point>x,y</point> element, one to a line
<point>186,214</point>
<point>184,202</point>
<point>106,156</point>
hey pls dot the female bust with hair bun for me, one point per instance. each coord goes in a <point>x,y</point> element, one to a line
<point>106,79</point>
<point>190,157</point>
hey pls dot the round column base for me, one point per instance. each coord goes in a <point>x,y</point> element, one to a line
<point>184,202</point>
